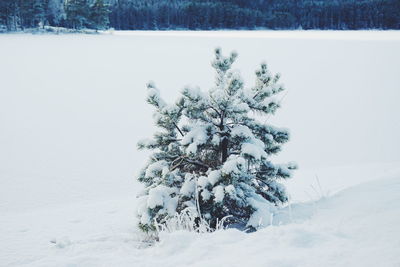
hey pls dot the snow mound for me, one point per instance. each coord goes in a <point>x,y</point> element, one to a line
<point>357,226</point>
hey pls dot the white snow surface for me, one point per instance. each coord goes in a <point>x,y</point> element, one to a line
<point>72,108</point>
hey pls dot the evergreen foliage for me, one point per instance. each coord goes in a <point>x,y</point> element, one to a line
<point>77,13</point>
<point>32,13</point>
<point>201,14</point>
<point>38,13</point>
<point>212,154</point>
<point>99,15</point>
<point>241,14</point>
<point>55,13</point>
<point>81,14</point>
<point>9,14</point>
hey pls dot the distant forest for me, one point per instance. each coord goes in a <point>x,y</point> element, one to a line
<point>200,14</point>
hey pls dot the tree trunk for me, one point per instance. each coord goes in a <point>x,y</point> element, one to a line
<point>224,142</point>
<point>224,148</point>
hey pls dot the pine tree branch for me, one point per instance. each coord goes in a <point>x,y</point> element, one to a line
<point>216,111</point>
<point>254,97</point>
<point>197,163</point>
<point>263,182</point>
<point>279,103</point>
<point>179,130</point>
<point>185,159</point>
<point>176,165</point>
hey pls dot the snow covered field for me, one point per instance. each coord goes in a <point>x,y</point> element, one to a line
<point>72,110</point>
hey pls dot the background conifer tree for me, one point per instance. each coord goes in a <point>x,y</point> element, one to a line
<point>212,153</point>
<point>39,13</point>
<point>99,15</point>
<point>77,13</point>
<point>55,13</point>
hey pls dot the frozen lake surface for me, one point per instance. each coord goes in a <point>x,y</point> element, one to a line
<point>72,109</point>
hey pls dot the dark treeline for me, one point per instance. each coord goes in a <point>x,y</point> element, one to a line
<point>244,14</point>
<point>201,14</point>
<point>75,14</point>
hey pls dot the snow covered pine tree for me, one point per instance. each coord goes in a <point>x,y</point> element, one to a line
<point>212,153</point>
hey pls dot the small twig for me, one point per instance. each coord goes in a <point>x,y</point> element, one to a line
<point>176,126</point>
<point>319,185</point>
<point>196,163</point>
<point>183,158</point>
<point>219,114</point>
<point>279,103</point>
